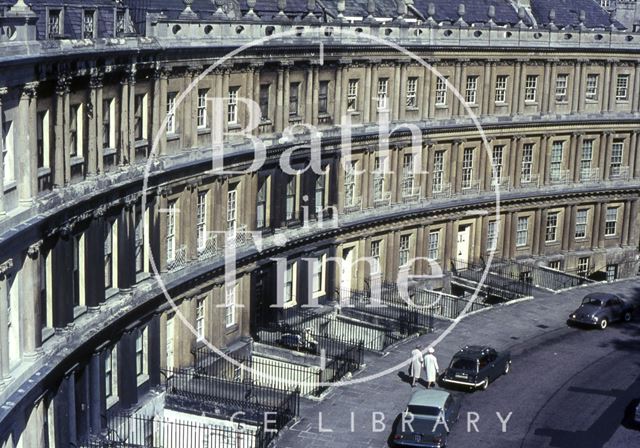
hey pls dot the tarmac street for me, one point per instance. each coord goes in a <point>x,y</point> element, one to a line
<point>568,387</point>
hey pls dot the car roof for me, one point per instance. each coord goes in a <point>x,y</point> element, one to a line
<point>434,398</point>
<point>601,295</point>
<point>473,350</point>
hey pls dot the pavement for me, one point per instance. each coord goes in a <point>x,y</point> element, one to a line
<point>569,387</point>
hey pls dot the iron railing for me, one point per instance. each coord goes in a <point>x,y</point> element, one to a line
<point>129,431</point>
<point>193,391</point>
<point>501,282</point>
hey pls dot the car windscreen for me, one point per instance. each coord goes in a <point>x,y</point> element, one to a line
<point>592,301</point>
<point>463,364</point>
<point>430,411</point>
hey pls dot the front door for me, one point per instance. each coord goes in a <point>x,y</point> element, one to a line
<point>346,273</point>
<point>463,246</point>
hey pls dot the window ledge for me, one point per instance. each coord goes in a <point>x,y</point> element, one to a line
<point>109,151</point>
<point>441,106</point>
<point>203,131</point>
<point>9,186</point>
<point>502,104</point>
<point>173,137</point>
<point>141,143</point>
<point>141,379</point>
<point>413,109</point>
<point>44,171</point>
<point>231,329</point>
<point>235,126</point>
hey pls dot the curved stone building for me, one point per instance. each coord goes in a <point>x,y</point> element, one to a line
<point>107,184</point>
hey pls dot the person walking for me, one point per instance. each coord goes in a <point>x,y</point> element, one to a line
<point>431,367</point>
<point>415,367</point>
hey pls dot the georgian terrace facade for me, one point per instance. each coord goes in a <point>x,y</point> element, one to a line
<point>78,128</point>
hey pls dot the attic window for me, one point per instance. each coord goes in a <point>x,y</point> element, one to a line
<point>54,23</point>
<point>269,30</point>
<point>120,23</point>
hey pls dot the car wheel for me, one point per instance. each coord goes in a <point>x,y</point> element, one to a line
<point>627,316</point>
<point>603,324</point>
<point>507,367</point>
<point>485,384</point>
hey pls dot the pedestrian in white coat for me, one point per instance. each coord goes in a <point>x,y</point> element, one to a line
<point>415,368</point>
<point>431,367</point>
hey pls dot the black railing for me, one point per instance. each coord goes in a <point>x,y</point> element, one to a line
<point>502,282</point>
<point>284,374</point>
<point>192,391</point>
<point>538,276</point>
<point>389,310</point>
<point>445,305</point>
<point>129,431</point>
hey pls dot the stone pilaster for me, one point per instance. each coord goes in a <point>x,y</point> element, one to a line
<point>30,302</point>
<point>27,159</point>
<point>5,373</point>
<point>3,91</point>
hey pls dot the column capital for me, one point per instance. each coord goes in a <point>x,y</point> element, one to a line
<point>30,89</point>
<point>3,91</point>
<point>100,211</point>
<point>5,267</point>
<point>96,80</point>
<point>34,250</point>
<point>63,85</point>
<point>577,134</point>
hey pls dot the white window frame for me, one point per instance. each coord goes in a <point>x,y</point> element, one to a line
<point>591,91</point>
<point>522,231</point>
<point>171,112</point>
<point>582,220</point>
<point>383,94</point>
<point>501,89</point>
<point>404,250</point>
<point>352,95</point>
<point>412,93</point>
<point>433,249</point>
<point>170,237</point>
<point>350,183</point>
<point>556,160</point>
<point>586,159</point>
<point>202,109</point>
<point>492,236</point>
<point>611,221</point>
<point>438,171</point>
<point>471,92</point>
<point>408,175</point>
<point>526,169</point>
<point>232,210</point>
<point>200,317</point>
<point>622,88</point>
<point>617,152</point>
<point>562,86</point>
<point>230,301</point>
<point>467,167</point>
<point>232,105</point>
<point>201,220</point>
<point>551,227</point>
<point>8,152</point>
<point>441,91</point>
<point>531,88</point>
<point>497,156</point>
<point>376,250</point>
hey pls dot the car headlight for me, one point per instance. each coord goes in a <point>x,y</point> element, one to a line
<point>573,316</point>
<point>595,318</point>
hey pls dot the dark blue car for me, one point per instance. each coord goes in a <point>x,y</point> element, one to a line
<point>476,366</point>
<point>599,309</point>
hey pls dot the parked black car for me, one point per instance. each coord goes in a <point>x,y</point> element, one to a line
<point>476,366</point>
<point>600,309</point>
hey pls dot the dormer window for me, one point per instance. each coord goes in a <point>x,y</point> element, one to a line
<point>89,24</point>
<point>54,24</point>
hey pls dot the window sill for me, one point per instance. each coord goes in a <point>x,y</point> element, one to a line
<point>204,131</point>
<point>141,276</point>
<point>231,329</point>
<point>234,126</point>
<point>173,137</point>
<point>552,243</point>
<point>611,237</point>
<point>109,152</point>
<point>441,107</point>
<point>591,100</point>
<point>530,103</point>
<point>141,143</point>
<point>10,186</point>
<point>111,401</point>
<point>141,379</point>
<point>502,104</point>
<point>44,171</point>
<point>289,304</point>
<point>562,103</point>
<point>622,101</point>
<point>413,109</point>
